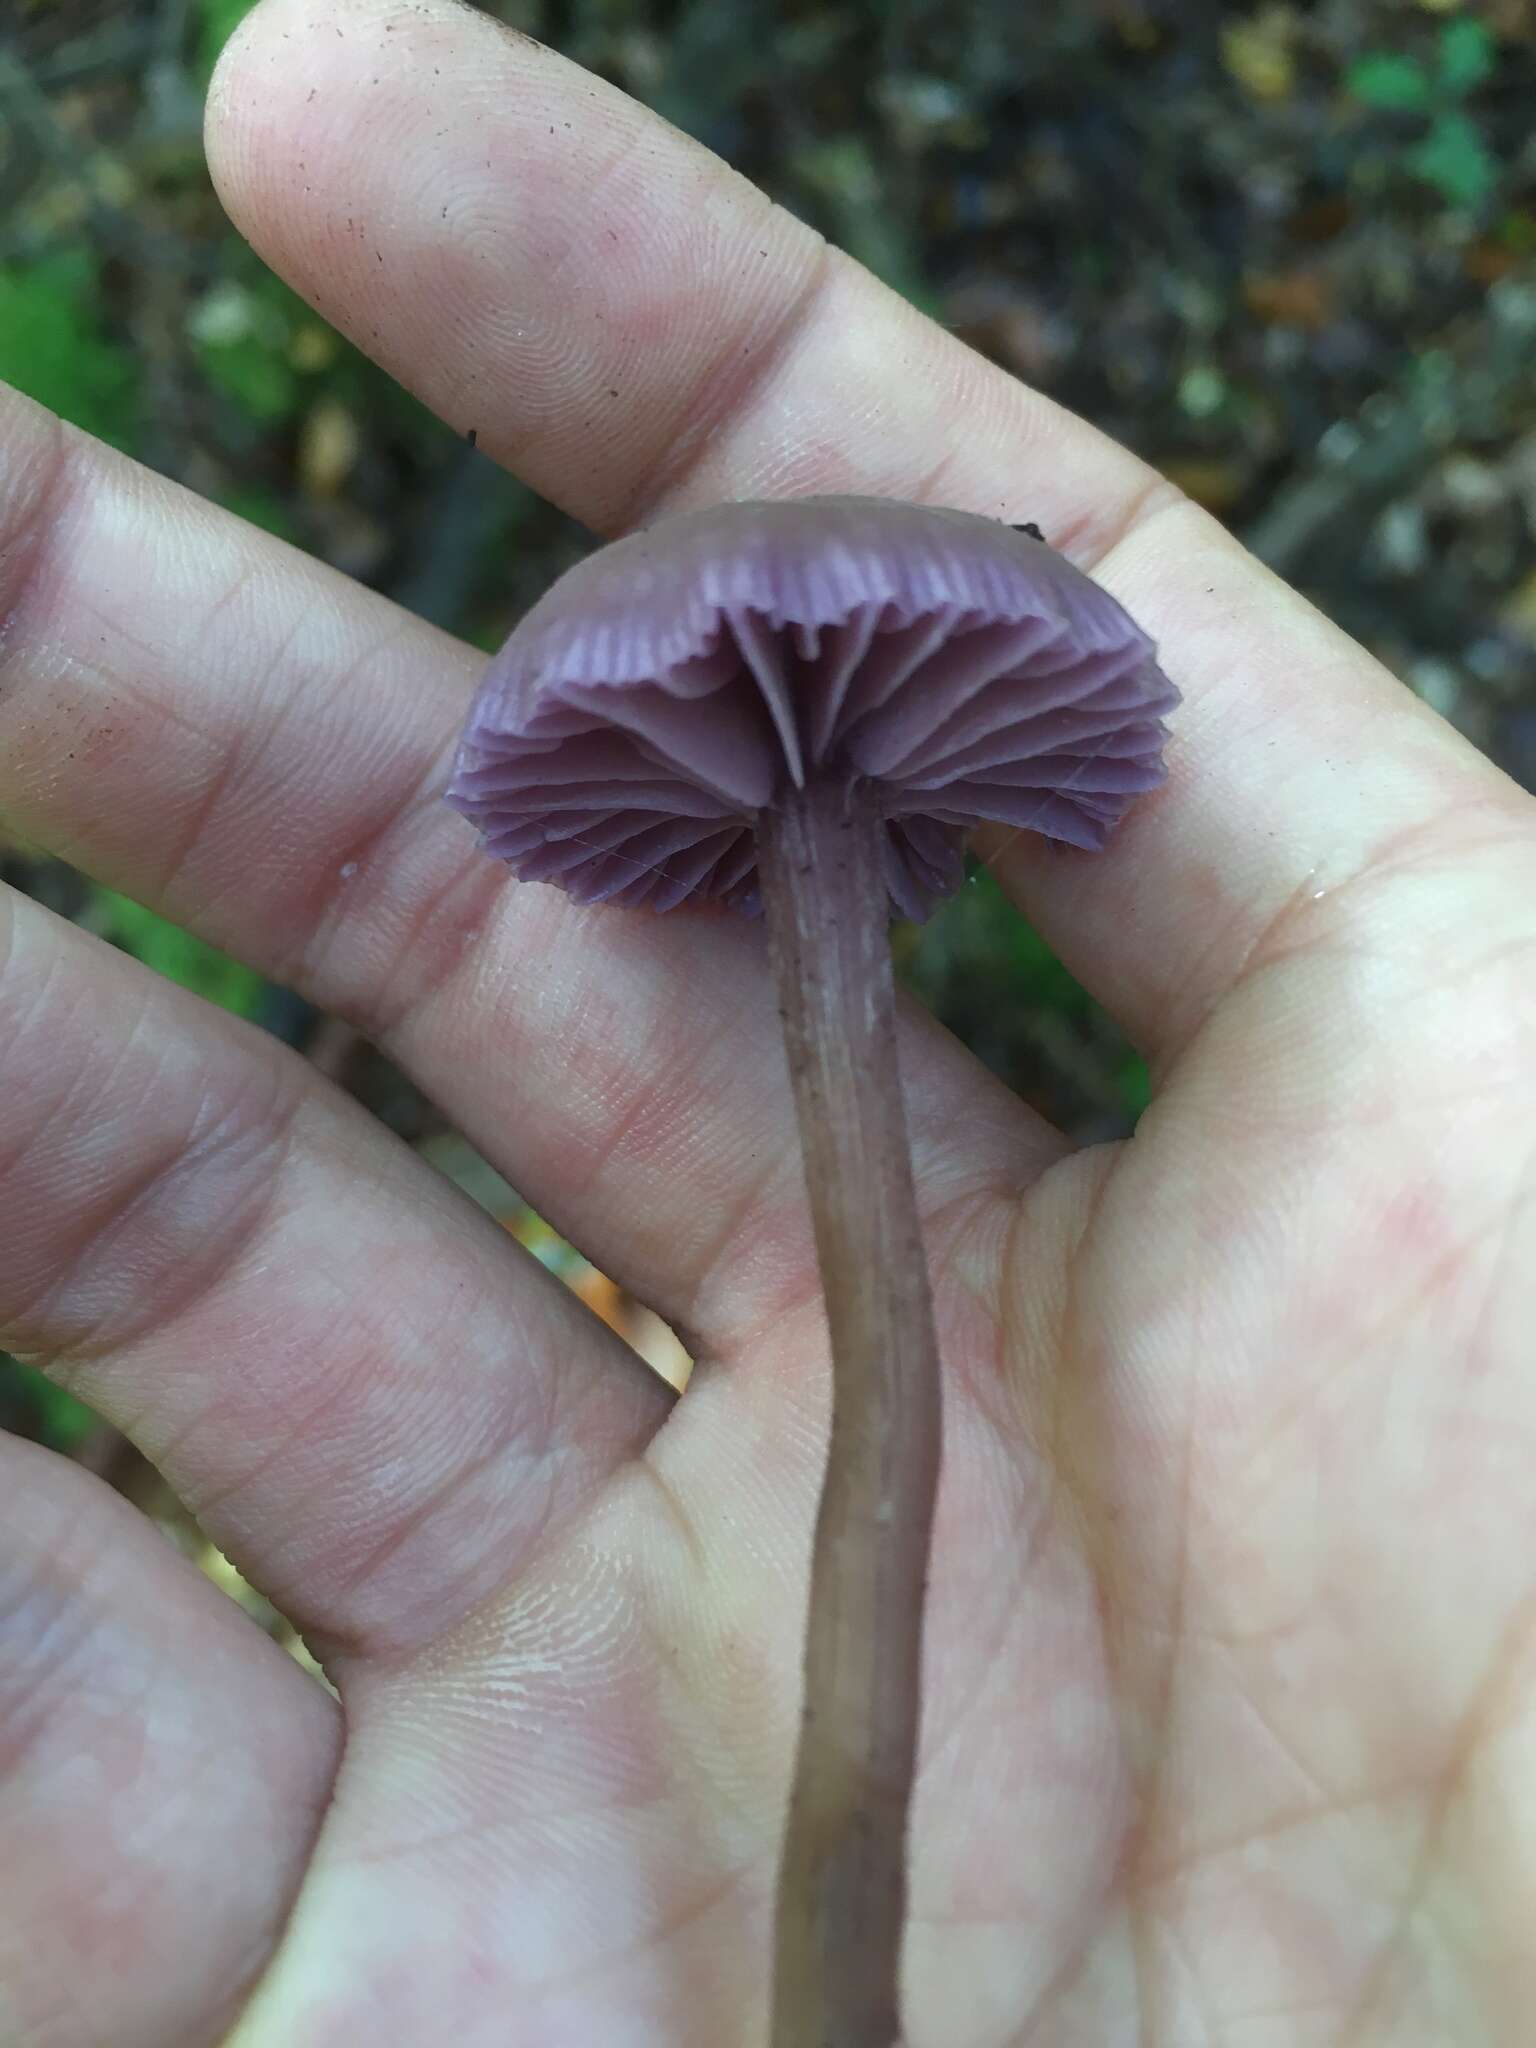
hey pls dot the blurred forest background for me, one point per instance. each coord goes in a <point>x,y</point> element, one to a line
<point>1286,252</point>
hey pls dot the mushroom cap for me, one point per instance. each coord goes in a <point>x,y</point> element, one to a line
<point>666,688</point>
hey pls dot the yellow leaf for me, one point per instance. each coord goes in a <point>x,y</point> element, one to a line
<point>329,445</point>
<point>1258,53</point>
<point>1518,611</point>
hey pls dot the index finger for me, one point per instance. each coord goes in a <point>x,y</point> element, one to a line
<point>633,327</point>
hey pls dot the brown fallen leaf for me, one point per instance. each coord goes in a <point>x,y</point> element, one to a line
<point>1210,480</point>
<point>1290,298</point>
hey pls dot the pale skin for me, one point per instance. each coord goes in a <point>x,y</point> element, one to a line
<point>1231,1731</point>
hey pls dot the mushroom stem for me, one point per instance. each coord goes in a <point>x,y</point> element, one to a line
<point>842,1886</point>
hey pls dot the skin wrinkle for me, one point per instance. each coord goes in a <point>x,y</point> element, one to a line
<point>643,1120</point>
<point>674,1509</point>
<point>931,485</point>
<point>404,816</point>
<point>339,1643</point>
<point>1426,843</point>
<point>1074,1349</point>
<point>1177,1952</point>
<point>947,1224</point>
<point>560,1442</point>
<point>1162,1720</point>
<point>740,383</point>
<point>786,1303</point>
<point>220,1243</point>
<point>955,1229</point>
<point>1282,932</point>
<point>352,1649</point>
<point>38,998</point>
<point>244,1970</point>
<point>91,1084</point>
<point>1063,1978</point>
<point>1502,1267</point>
<point>45,1628</point>
<point>1038,1403</point>
<point>615,171</point>
<point>239,756</point>
<point>248,573</point>
<point>363,1639</point>
<point>333,1389</point>
<point>707,1300</point>
<point>1095,539</point>
<point>1505,1664</point>
<point>1285,1418</point>
<point>1310,1778</point>
<point>301,964</point>
<point>392,1022</point>
<point>530,1819</point>
<point>1175,1870</point>
<point>1422,1864</point>
<point>38,510</point>
<point>10,901</point>
<point>1314,2008</point>
<point>229,760</point>
<point>128,687</point>
<point>711,1897</point>
<point>1080,1520</point>
<point>738,1791</point>
<point>397,1015</point>
<point>1371,1995</point>
<point>1270,1633</point>
<point>715,1892</point>
<point>1349,1117</point>
<point>409,1848</point>
<point>938,1749</point>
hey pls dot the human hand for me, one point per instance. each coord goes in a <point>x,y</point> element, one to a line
<point>1232,1694</point>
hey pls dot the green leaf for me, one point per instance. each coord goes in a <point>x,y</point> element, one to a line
<point>845,175</point>
<point>53,348</point>
<point>251,373</point>
<point>242,332</point>
<point>179,956</point>
<point>262,509</point>
<point>1454,159</point>
<point>1395,83</point>
<point>42,1409</point>
<point>217,22</point>
<point>1467,55</point>
<point>1039,971</point>
<point>1134,1084</point>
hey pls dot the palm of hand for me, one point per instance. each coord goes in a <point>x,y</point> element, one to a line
<point>1230,1651</point>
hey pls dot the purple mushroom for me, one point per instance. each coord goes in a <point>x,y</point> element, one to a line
<point>800,709</point>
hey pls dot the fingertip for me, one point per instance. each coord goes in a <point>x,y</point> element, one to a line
<point>220,107</point>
